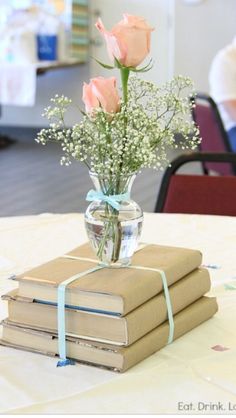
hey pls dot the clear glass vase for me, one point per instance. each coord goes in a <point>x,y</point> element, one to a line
<point>114,233</point>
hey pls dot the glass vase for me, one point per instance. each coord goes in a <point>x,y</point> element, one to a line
<point>113,232</point>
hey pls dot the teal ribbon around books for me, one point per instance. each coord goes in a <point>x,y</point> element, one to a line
<point>61,323</point>
<point>113,199</point>
<point>64,361</point>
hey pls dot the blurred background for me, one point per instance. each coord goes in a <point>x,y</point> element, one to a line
<point>46,47</point>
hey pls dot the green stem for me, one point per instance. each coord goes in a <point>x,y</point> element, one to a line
<point>115,224</point>
<point>124,72</point>
<point>112,227</point>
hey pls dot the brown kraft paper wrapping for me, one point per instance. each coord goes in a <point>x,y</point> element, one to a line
<point>126,357</point>
<point>134,325</point>
<point>154,312</point>
<point>133,286</point>
<point>184,321</point>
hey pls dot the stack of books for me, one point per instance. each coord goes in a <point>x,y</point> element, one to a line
<point>115,317</point>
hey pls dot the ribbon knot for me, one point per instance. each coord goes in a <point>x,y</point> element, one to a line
<point>113,199</point>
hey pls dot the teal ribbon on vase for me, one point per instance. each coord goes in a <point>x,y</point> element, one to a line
<point>113,199</point>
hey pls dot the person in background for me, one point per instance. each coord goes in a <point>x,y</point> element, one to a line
<point>222,80</point>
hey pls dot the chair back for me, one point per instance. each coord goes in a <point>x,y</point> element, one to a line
<point>214,137</point>
<point>203,195</point>
<point>198,194</point>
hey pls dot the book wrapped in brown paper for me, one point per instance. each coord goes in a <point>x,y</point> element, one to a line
<point>116,291</point>
<point>109,328</point>
<point>107,355</point>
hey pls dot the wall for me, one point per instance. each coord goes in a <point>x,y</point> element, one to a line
<point>70,81</point>
<point>200,31</point>
<point>194,32</point>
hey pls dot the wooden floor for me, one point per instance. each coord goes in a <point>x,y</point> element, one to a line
<point>32,180</point>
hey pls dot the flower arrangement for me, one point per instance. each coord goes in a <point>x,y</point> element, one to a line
<point>120,135</point>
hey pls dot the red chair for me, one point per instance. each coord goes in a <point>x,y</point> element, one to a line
<point>214,137</point>
<point>198,194</point>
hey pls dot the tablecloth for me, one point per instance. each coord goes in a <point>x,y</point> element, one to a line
<point>188,376</point>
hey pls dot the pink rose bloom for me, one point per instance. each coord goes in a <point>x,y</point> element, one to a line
<point>101,92</point>
<point>128,41</point>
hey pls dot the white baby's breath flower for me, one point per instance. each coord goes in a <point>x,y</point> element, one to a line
<point>136,137</point>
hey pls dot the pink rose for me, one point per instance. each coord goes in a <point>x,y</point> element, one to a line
<point>101,92</point>
<point>128,41</point>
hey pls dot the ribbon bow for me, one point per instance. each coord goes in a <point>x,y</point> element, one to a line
<point>112,199</point>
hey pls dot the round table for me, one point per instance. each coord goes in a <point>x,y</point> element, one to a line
<point>188,376</point>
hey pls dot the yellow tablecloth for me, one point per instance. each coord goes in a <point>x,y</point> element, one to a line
<point>187,376</point>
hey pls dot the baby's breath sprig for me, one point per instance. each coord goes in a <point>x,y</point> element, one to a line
<point>152,121</point>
